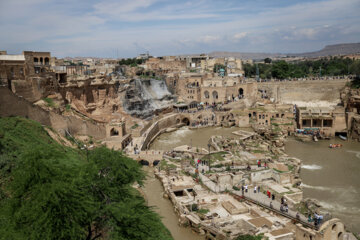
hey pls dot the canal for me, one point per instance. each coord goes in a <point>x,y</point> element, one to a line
<point>154,191</point>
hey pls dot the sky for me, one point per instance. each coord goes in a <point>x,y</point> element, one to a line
<point>126,28</point>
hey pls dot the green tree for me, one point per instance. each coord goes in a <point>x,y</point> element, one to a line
<point>48,191</point>
<point>267,60</point>
<point>280,69</point>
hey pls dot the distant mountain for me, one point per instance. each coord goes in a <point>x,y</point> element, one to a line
<point>329,50</point>
<point>336,49</point>
<point>246,55</point>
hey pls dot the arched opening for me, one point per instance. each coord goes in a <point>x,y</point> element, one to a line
<point>36,60</point>
<point>333,227</point>
<point>340,235</point>
<point>47,61</point>
<point>114,132</point>
<point>241,93</point>
<point>156,162</point>
<point>186,121</point>
<point>41,60</point>
<point>215,95</point>
<point>144,162</point>
<point>249,115</point>
<point>206,94</point>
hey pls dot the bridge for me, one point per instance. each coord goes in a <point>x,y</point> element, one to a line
<point>148,157</point>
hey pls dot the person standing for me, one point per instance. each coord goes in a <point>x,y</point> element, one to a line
<point>255,189</point>
<point>246,188</point>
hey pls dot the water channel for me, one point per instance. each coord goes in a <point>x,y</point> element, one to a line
<point>154,191</point>
<point>332,176</point>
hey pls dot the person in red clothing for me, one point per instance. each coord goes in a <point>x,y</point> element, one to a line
<point>268,193</point>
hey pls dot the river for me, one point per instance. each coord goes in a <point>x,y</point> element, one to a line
<point>332,176</point>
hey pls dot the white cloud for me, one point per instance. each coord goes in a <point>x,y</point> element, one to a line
<point>240,35</point>
<point>165,27</point>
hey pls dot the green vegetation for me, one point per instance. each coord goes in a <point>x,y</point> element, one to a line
<point>203,211</point>
<point>166,166</point>
<point>334,66</point>
<point>290,167</point>
<point>50,102</point>
<point>134,126</point>
<point>49,191</point>
<point>67,107</point>
<point>214,157</point>
<point>133,62</point>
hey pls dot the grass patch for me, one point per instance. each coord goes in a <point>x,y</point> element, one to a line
<point>203,211</point>
<point>50,102</point>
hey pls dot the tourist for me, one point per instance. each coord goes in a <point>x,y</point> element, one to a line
<point>259,163</point>
<point>268,193</point>
<point>255,189</point>
<point>258,189</point>
<point>282,200</point>
<point>286,208</point>
<point>246,188</point>
<point>271,205</point>
<point>273,196</point>
<point>265,165</point>
<point>281,208</point>
<point>242,189</point>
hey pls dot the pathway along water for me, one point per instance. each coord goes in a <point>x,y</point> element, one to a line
<point>331,176</point>
<point>154,191</point>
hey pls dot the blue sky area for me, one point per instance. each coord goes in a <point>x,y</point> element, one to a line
<point>125,28</point>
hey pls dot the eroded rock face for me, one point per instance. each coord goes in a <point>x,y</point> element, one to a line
<point>144,97</point>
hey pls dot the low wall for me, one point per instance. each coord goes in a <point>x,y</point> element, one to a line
<point>13,105</point>
<point>157,127</point>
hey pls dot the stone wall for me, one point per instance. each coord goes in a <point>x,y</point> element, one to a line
<point>157,127</point>
<point>293,92</point>
<point>12,105</point>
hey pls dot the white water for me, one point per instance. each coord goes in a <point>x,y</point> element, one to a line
<point>311,167</point>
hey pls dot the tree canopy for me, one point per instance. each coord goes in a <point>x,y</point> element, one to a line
<point>334,66</point>
<point>48,191</point>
